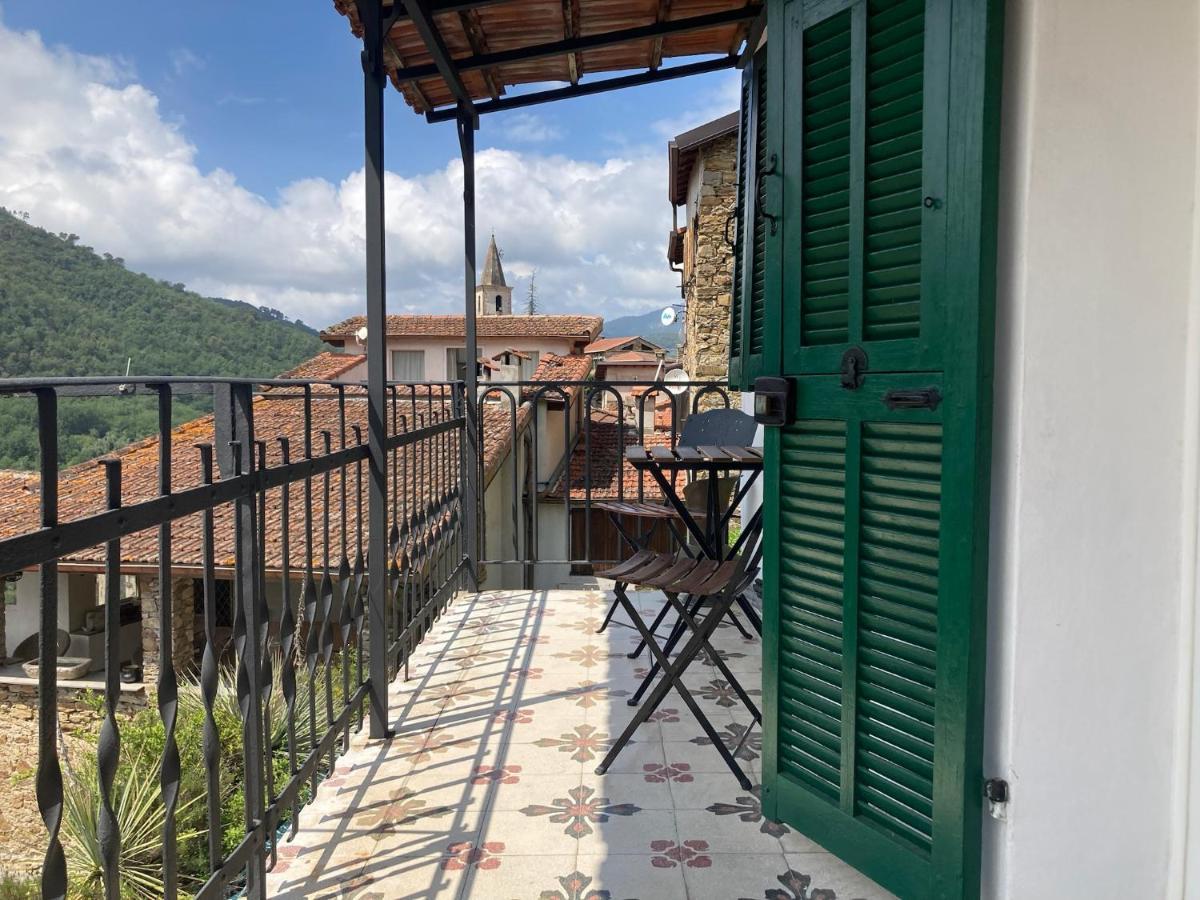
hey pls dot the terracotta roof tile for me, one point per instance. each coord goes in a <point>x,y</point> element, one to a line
<point>325,366</point>
<point>82,487</point>
<point>606,445</point>
<point>581,327</point>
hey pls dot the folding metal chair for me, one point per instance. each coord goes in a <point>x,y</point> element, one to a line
<point>720,583</point>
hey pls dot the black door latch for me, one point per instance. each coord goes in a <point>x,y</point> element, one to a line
<point>927,398</point>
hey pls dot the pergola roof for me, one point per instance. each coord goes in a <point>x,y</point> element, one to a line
<point>492,45</point>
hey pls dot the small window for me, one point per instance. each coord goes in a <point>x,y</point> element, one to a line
<point>10,592</point>
<point>456,364</point>
<point>408,365</point>
<point>499,304</point>
<point>224,600</point>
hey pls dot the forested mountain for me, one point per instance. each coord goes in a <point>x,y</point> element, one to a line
<point>66,310</point>
<point>647,325</point>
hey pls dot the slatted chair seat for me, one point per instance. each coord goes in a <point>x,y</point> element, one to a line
<point>652,565</point>
<point>641,510</point>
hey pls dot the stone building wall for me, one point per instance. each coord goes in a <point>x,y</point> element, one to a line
<point>708,266</point>
<point>182,626</point>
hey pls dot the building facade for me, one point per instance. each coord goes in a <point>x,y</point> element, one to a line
<point>703,183</point>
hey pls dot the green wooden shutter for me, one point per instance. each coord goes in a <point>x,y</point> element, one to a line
<point>876,510</point>
<point>735,306</point>
<point>748,312</point>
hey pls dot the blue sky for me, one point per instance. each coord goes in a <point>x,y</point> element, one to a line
<point>264,101</point>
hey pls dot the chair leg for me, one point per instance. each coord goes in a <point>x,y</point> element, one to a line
<point>662,614</point>
<point>738,625</point>
<point>672,679</point>
<point>608,616</point>
<point>677,632</point>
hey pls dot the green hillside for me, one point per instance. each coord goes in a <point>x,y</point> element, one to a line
<point>66,310</point>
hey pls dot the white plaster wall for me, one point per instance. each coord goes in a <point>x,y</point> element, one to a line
<point>435,350</point>
<point>1086,717</point>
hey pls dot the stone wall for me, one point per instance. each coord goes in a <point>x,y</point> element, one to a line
<point>22,834</point>
<point>708,266</point>
<point>182,626</point>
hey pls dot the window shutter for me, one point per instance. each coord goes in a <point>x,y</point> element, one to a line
<point>876,496</point>
<point>747,327</point>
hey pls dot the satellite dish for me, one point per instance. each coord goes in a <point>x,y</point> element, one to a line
<point>361,334</point>
<point>676,381</point>
<point>668,317</point>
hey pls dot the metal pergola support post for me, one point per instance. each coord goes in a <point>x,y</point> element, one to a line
<point>467,123</point>
<point>374,81</point>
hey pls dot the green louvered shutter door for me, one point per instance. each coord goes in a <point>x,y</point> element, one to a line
<point>739,267</point>
<point>748,325</point>
<point>876,497</point>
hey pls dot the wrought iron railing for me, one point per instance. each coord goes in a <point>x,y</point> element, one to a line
<point>590,469</point>
<point>269,493</point>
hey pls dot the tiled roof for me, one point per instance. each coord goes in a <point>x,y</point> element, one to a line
<point>631,357</point>
<point>325,366</point>
<point>493,271</point>
<point>603,345</point>
<point>581,327</point>
<point>606,445</point>
<point>552,367</point>
<point>82,487</point>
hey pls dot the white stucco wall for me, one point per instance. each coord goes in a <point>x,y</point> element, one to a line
<point>435,350</point>
<point>1094,489</point>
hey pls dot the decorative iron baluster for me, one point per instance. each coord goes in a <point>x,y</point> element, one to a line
<point>287,626</point>
<point>312,605</point>
<point>360,570</point>
<point>404,553</point>
<point>250,631</point>
<point>345,586</point>
<point>211,739</point>
<point>395,613</point>
<point>168,688</point>
<point>327,595</point>
<point>267,666</point>
<point>108,747</point>
<point>49,773</point>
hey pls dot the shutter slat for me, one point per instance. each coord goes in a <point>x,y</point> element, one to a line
<point>824,183</point>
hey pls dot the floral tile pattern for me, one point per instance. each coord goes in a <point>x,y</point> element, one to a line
<point>488,790</point>
<point>580,810</point>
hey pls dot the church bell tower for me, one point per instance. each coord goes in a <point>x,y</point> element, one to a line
<point>492,296</point>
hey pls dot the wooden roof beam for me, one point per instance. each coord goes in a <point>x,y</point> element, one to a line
<point>570,32</point>
<point>591,42</point>
<point>656,50</point>
<point>421,15</point>
<point>473,29</point>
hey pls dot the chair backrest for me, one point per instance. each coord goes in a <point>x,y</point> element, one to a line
<point>718,427</point>
<point>695,494</point>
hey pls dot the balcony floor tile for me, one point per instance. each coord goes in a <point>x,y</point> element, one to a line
<point>488,790</point>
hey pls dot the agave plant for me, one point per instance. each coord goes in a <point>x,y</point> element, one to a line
<point>226,708</point>
<point>140,817</point>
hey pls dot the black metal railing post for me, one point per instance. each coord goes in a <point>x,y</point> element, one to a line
<point>108,746</point>
<point>49,771</point>
<point>249,631</point>
<point>374,81</point>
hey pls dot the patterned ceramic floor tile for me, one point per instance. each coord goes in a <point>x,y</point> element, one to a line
<point>519,877</point>
<point>632,877</point>
<point>488,790</point>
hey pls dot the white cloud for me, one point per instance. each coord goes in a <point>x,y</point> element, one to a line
<point>85,149</point>
<point>724,100</point>
<point>528,128</point>
<point>184,60</point>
